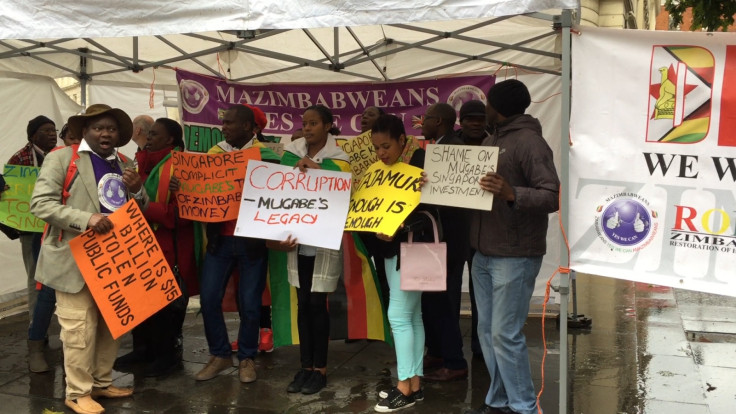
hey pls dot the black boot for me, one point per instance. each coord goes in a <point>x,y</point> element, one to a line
<point>163,365</point>
<point>137,355</point>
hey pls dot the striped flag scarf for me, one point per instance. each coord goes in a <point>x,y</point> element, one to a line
<point>162,172</point>
<point>356,312</point>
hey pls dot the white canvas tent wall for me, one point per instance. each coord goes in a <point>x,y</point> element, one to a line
<point>134,44</point>
<point>20,94</point>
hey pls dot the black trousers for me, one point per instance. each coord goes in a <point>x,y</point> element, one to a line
<point>158,336</point>
<point>441,317</point>
<point>313,320</point>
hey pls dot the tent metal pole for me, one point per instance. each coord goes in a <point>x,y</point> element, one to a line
<point>564,287</point>
<point>183,53</point>
<point>83,89</point>
<point>336,47</point>
<point>319,46</point>
<point>83,76</point>
<point>457,35</point>
<point>135,53</point>
<point>14,51</point>
<point>366,52</point>
<point>108,52</point>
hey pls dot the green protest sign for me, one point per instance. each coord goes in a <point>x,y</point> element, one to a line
<point>15,203</point>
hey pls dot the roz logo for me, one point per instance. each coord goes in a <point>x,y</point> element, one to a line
<point>713,221</point>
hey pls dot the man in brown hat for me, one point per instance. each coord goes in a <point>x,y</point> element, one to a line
<point>89,349</point>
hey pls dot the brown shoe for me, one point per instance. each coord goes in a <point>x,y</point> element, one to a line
<point>431,362</point>
<point>247,371</point>
<point>214,366</point>
<point>112,391</point>
<point>446,374</point>
<point>84,405</point>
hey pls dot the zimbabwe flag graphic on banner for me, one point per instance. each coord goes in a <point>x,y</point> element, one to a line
<point>680,89</point>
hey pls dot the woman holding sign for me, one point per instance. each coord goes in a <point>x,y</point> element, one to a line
<point>314,271</point>
<point>405,307</point>
<point>157,341</point>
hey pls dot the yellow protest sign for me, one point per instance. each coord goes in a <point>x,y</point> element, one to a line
<point>211,184</point>
<point>384,198</point>
<point>125,270</point>
<point>361,153</point>
<point>15,202</point>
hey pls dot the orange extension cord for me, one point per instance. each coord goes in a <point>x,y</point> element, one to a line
<point>561,270</point>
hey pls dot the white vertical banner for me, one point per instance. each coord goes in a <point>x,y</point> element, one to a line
<point>653,157</point>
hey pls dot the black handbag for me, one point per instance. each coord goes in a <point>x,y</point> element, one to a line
<point>9,231</point>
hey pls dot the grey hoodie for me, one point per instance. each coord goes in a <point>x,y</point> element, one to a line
<point>519,228</point>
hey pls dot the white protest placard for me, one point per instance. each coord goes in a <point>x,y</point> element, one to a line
<point>453,172</point>
<point>279,201</point>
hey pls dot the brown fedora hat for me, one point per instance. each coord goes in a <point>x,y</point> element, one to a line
<point>125,125</point>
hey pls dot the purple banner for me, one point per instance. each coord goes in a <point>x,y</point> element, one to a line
<point>205,98</point>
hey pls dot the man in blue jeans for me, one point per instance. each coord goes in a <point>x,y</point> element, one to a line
<point>225,251</point>
<point>510,241</point>
<point>41,133</point>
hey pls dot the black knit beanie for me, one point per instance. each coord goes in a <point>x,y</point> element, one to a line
<point>510,97</point>
<point>35,123</point>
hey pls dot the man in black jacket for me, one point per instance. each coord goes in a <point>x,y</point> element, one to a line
<point>441,310</point>
<point>510,241</point>
<point>473,130</point>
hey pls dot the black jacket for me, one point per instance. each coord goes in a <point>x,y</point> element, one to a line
<point>519,228</point>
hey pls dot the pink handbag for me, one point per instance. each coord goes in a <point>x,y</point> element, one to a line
<point>424,265</point>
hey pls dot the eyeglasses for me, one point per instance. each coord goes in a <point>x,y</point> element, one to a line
<point>48,131</point>
<point>110,129</point>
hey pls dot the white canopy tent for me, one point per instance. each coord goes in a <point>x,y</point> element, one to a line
<point>124,52</point>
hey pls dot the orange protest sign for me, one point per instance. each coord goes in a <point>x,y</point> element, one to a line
<point>361,153</point>
<point>125,270</point>
<point>211,184</point>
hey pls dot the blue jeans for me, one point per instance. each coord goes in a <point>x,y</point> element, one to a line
<point>44,310</point>
<point>405,317</point>
<point>41,303</point>
<point>250,256</point>
<point>30,244</point>
<point>503,288</point>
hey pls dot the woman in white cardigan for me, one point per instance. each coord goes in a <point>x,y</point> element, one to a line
<point>312,270</point>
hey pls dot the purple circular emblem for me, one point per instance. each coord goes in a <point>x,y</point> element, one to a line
<point>194,96</point>
<point>112,191</point>
<point>626,222</point>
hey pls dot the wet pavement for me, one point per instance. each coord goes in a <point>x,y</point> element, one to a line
<point>650,350</point>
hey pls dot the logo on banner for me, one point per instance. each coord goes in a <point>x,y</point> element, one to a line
<point>680,88</point>
<point>709,230</point>
<point>456,99</point>
<point>626,223</point>
<point>464,94</point>
<point>194,96</point>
